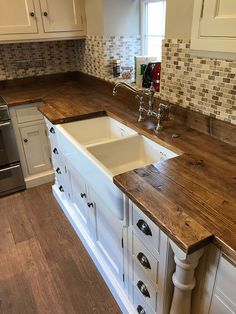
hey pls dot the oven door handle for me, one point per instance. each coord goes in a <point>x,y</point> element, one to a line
<point>4,124</point>
<point>9,168</point>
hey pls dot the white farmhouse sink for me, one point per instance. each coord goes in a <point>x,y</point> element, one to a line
<point>129,153</point>
<point>96,130</point>
<point>115,149</point>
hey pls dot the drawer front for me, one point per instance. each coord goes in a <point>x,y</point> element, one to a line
<point>28,114</point>
<point>148,232</point>
<point>143,257</point>
<point>140,306</point>
<point>146,290</point>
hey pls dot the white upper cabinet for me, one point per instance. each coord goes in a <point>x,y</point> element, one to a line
<point>214,25</point>
<point>218,18</point>
<point>22,20</point>
<point>61,15</point>
<point>17,17</point>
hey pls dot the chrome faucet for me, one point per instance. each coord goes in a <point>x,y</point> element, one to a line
<point>142,109</point>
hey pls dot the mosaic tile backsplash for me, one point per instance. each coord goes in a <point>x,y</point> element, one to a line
<point>56,57</point>
<point>96,53</point>
<point>201,84</point>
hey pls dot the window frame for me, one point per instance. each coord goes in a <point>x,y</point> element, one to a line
<point>144,24</point>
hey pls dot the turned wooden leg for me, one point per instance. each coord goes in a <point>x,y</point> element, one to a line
<point>183,279</point>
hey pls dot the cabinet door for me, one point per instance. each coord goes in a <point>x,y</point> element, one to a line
<point>36,148</point>
<point>61,15</point>
<point>79,200</point>
<point>108,231</point>
<point>17,17</point>
<point>218,18</point>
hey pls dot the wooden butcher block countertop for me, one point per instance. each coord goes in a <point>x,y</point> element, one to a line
<point>192,197</point>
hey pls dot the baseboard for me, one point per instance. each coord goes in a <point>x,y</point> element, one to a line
<point>39,178</point>
<point>117,291</point>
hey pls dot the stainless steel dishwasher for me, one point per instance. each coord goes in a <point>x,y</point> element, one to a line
<point>11,176</point>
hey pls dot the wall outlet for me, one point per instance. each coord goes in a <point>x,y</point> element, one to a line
<point>39,63</point>
<point>28,64</point>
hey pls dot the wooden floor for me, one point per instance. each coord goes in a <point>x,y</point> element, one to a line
<point>44,267</point>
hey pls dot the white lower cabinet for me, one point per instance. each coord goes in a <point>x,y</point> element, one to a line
<point>108,235</point>
<point>33,144</point>
<point>37,156</point>
<point>224,294</point>
<point>146,272</point>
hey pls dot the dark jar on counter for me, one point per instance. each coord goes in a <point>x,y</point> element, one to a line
<point>116,68</point>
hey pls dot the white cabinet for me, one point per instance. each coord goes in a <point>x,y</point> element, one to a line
<point>61,15</point>
<point>108,235</point>
<point>17,17</point>
<point>33,144</point>
<point>218,18</point>
<point>133,254</point>
<point>80,200</point>
<point>214,25</point>
<point>224,296</point>
<point>24,20</point>
<point>150,265</point>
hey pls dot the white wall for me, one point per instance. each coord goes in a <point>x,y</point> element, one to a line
<point>179,14</point>
<point>94,17</point>
<point>121,17</point>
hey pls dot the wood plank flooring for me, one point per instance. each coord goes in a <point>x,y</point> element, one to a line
<point>44,267</point>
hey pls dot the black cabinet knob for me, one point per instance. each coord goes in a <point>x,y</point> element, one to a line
<point>32,14</point>
<point>143,260</point>
<point>82,195</point>
<point>52,130</point>
<point>55,151</point>
<point>90,205</point>
<point>61,188</point>
<point>140,310</point>
<point>45,13</point>
<point>144,227</point>
<point>143,289</point>
<point>25,140</point>
<point>58,170</point>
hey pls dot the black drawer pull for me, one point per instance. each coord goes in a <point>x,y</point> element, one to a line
<point>55,151</point>
<point>144,227</point>
<point>90,205</point>
<point>61,188</point>
<point>52,130</point>
<point>140,310</point>
<point>143,289</point>
<point>58,170</point>
<point>82,195</point>
<point>143,260</point>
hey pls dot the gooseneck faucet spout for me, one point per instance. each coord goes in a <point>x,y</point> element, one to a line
<point>143,110</point>
<point>131,88</point>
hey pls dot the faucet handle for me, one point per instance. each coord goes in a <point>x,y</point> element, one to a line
<point>163,106</point>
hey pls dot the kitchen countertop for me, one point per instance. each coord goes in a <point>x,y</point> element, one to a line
<point>191,197</point>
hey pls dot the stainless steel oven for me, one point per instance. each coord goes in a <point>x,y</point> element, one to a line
<point>11,176</point>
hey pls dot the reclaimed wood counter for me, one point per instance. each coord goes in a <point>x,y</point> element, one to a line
<point>192,197</point>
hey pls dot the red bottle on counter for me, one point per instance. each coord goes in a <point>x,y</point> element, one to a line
<point>156,76</point>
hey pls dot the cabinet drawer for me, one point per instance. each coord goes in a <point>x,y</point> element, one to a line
<point>148,232</point>
<point>140,306</point>
<point>144,258</point>
<point>28,113</point>
<point>146,290</point>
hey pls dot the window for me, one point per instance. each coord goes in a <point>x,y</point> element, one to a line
<point>153,26</point>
